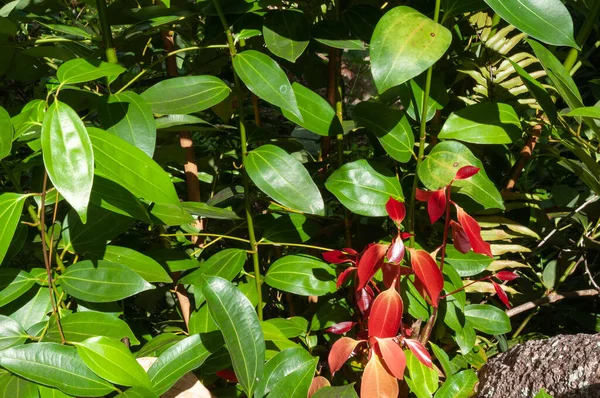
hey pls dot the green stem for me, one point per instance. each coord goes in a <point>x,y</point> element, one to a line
<point>495,21</point>
<point>582,36</point>
<point>109,48</point>
<point>244,145</point>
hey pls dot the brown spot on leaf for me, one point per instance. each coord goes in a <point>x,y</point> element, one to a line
<point>455,164</point>
<point>432,34</point>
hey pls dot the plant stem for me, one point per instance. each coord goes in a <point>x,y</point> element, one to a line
<point>244,145</point>
<point>109,48</point>
<point>325,249</point>
<point>582,36</point>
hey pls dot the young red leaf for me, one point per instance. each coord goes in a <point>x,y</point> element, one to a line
<point>386,314</point>
<point>228,375</point>
<point>466,172</point>
<point>423,196</point>
<point>341,328</point>
<point>350,251</point>
<point>473,231</point>
<point>377,382</point>
<point>317,383</point>
<point>395,253</point>
<point>343,275</point>
<point>390,273</point>
<point>370,262</point>
<point>420,352</point>
<point>460,238</point>
<point>336,257</point>
<point>428,273</point>
<point>395,210</point>
<point>436,205</point>
<point>501,294</point>
<point>340,352</point>
<point>506,275</point>
<point>393,357</point>
<point>364,298</point>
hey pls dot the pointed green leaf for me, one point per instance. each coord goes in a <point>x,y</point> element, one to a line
<point>143,265</point>
<point>284,178</point>
<point>346,391</point>
<point>6,133</point>
<point>281,366</point>
<point>460,385</point>
<point>237,321</point>
<point>440,167</point>
<point>201,321</point>
<point>412,92</point>
<point>128,116</point>
<point>548,21</point>
<point>159,344</point>
<point>68,156</point>
<point>265,78</point>
<point>102,281</point>
<point>48,392</point>
<point>293,227</point>
<point>467,264</point>
<point>487,318</point>
<point>335,34</point>
<point>317,115</point>
<point>423,380</point>
<point>364,187</point>
<point>16,387</point>
<point>184,95</point>
<point>538,91</point>
<point>13,284</point>
<point>301,274</point>
<point>587,111</point>
<point>207,211</point>
<point>168,121</point>
<point>54,365</point>
<point>11,206</point>
<point>111,196</point>
<point>137,392</point>
<point>82,70</point>
<point>170,214</point>
<point>11,333</point>
<point>80,326</point>
<point>111,360</point>
<point>405,44</point>
<point>286,33</point>
<point>30,308</point>
<point>390,126</point>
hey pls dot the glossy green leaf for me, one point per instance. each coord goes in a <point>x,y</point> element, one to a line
<point>364,187</point>
<point>111,196</point>
<point>159,343</point>
<point>335,34</point>
<point>184,95</point>
<point>27,124</point>
<point>460,385</point>
<point>68,156</point>
<point>11,333</point>
<point>284,178</point>
<point>440,167</point>
<point>11,206</point>
<point>128,116</point>
<point>291,327</point>
<point>543,394</point>
<point>286,33</point>
<point>588,111</point>
<point>204,210</point>
<point>390,126</point>
<point>177,120</point>
<point>6,133</point>
<point>137,392</point>
<point>31,308</point>
<point>54,365</point>
<point>297,383</point>
<point>292,227</point>
<point>487,318</point>
<point>467,264</point>
<point>48,392</point>
<point>143,265</point>
<point>82,70</point>
<point>346,391</point>
<point>13,284</point>
<point>69,30</point>
<point>443,359</point>
<point>483,123</point>
<point>177,360</point>
<point>111,360</point>
<point>80,326</point>
<point>361,20</point>
<point>405,43</point>
<point>16,387</point>
<point>102,281</point>
<point>548,21</point>
<point>423,380</point>
<point>265,78</point>
<point>301,274</point>
<point>317,115</point>
<point>282,366</point>
<point>170,214</point>
<point>201,321</point>
<point>130,167</point>
<point>411,96</point>
<point>538,91</point>
<point>457,7</point>
<point>237,321</point>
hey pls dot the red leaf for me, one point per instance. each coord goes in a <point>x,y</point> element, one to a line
<point>420,352</point>
<point>340,352</point>
<point>370,262</point>
<point>436,205</point>
<point>386,314</point>
<point>393,357</point>
<point>460,238</point>
<point>228,375</point>
<point>364,298</point>
<point>428,272</point>
<point>473,231</point>
<point>395,253</point>
<point>377,382</point>
<point>350,251</point>
<point>390,273</point>
<point>506,275</point>
<point>317,383</point>
<point>423,196</point>
<point>395,210</point>
<point>501,294</point>
<point>336,257</point>
<point>341,328</point>
<point>466,172</point>
<point>343,276</point>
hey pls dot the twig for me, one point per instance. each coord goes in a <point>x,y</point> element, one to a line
<point>551,298</point>
<point>587,271</point>
<point>524,157</point>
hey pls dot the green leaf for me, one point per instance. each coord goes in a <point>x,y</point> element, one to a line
<point>443,359</point>
<point>284,178</point>
<point>17,387</point>
<point>317,115</point>
<point>111,196</point>
<point>11,206</point>
<point>170,214</point>
<point>47,392</point>
<point>177,120</point>
<point>143,265</point>
<point>538,91</point>
<point>469,264</point>
<point>390,126</point>
<point>335,34</point>
<point>177,360</point>
<point>286,33</point>
<point>460,385</point>
<point>440,167</point>
<point>201,321</point>
<point>548,21</point>
<point>111,360</point>
<point>301,274</point>
<point>456,7</point>
<point>297,383</point>
<point>346,391</point>
<point>11,333</point>
<point>137,392</point>
<point>483,123</point>
<point>159,344</point>
<point>266,79</point>
<point>68,156</point>
<point>290,328</point>
<point>30,308</point>
<point>54,365</point>
<point>364,187</point>
<point>361,20</point>
<point>128,116</point>
<point>292,228</point>
<point>82,70</point>
<point>102,281</point>
<point>412,92</point>
<point>543,394</point>
<point>13,284</point>
<point>487,318</point>
<point>423,380</point>
<point>405,43</point>
<point>203,210</point>
<point>80,326</point>
<point>130,167</point>
<point>237,321</point>
<point>69,30</point>
<point>588,111</point>
<point>184,95</point>
<point>282,366</point>
<point>6,133</point>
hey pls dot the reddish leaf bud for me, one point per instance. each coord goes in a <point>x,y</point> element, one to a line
<point>436,205</point>
<point>370,262</point>
<point>336,257</point>
<point>395,253</point>
<point>428,273</point>
<point>340,352</point>
<point>386,314</point>
<point>501,294</point>
<point>343,276</point>
<point>466,172</point>
<point>228,375</point>
<point>341,328</point>
<point>473,231</point>
<point>392,356</point>
<point>460,238</point>
<point>506,275</point>
<point>420,352</point>
<point>423,196</point>
<point>395,210</point>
